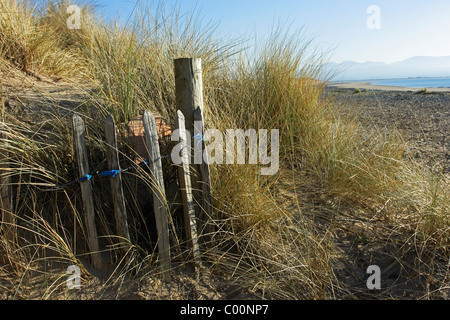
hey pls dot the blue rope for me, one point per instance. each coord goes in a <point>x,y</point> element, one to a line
<point>144,161</point>
<point>111,173</point>
<point>87,177</point>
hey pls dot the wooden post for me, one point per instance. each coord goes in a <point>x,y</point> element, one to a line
<point>118,197</point>
<point>189,96</point>
<point>189,88</point>
<point>86,190</point>
<point>204,180</point>
<point>190,222</point>
<point>159,193</point>
<point>8,220</point>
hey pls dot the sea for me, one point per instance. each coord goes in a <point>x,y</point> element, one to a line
<point>415,82</point>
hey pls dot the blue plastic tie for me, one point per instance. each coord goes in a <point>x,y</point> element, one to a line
<point>111,173</point>
<point>198,136</point>
<point>86,178</point>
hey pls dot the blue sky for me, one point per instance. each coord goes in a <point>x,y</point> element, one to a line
<point>408,27</point>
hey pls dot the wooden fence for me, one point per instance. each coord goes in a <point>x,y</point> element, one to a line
<point>197,206</point>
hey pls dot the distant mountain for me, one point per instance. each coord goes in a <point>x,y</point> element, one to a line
<point>409,68</point>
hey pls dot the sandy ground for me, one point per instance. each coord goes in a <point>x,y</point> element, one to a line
<point>365,238</point>
<point>422,118</point>
<point>365,85</point>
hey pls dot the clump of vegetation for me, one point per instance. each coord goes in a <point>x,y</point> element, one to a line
<point>422,91</point>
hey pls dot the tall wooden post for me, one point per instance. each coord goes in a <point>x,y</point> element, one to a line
<point>189,88</point>
<point>86,190</point>
<point>189,96</point>
<point>159,193</point>
<point>112,155</point>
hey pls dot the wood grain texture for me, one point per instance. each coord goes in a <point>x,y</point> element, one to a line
<point>204,178</point>
<point>86,190</point>
<point>190,220</point>
<point>112,155</point>
<point>159,194</point>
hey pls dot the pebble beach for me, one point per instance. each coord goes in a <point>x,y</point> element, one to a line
<point>421,116</point>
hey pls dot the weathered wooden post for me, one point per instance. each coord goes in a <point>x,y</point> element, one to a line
<point>189,96</point>
<point>190,221</point>
<point>189,88</point>
<point>86,190</point>
<point>8,220</point>
<point>159,194</point>
<point>204,179</point>
<point>112,155</point>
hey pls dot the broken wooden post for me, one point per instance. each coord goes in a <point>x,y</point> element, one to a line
<point>189,88</point>
<point>190,221</point>
<point>204,179</point>
<point>86,190</point>
<point>189,96</point>
<point>159,194</point>
<point>8,220</point>
<point>112,155</point>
